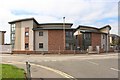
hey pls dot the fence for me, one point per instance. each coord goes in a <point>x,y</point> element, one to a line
<point>5,48</point>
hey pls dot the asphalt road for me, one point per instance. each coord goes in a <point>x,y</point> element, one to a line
<point>95,68</point>
<point>78,66</point>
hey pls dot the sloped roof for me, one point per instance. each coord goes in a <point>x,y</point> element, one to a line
<point>26,19</point>
<point>105,27</point>
<point>82,26</point>
<point>90,27</point>
<point>56,24</point>
<point>91,31</point>
<point>42,28</point>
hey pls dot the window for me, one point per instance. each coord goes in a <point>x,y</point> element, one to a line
<point>41,33</point>
<point>71,34</point>
<point>40,45</point>
<point>67,46</point>
<point>87,35</point>
<point>103,36</point>
<point>13,27</point>
<point>84,36</point>
<point>26,34</point>
<point>67,34</point>
<point>12,36</point>
<point>26,45</point>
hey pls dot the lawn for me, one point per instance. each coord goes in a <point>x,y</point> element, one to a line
<point>12,72</point>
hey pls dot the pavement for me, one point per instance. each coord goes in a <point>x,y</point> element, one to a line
<point>67,66</point>
<point>36,71</point>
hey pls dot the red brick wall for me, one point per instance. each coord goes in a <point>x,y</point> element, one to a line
<point>95,39</point>
<point>55,40</point>
<point>80,40</point>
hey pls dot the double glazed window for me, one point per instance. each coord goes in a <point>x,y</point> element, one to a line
<point>69,40</point>
<point>87,36</point>
<point>40,45</point>
<point>13,27</point>
<point>26,33</point>
<point>26,46</point>
<point>67,46</point>
<point>41,33</point>
<point>12,35</point>
<point>69,34</point>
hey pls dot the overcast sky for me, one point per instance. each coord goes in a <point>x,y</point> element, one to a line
<point>96,13</point>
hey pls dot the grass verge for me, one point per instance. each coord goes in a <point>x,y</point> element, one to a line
<point>10,72</point>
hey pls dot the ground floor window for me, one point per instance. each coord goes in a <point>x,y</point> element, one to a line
<point>69,46</point>
<point>26,45</point>
<point>40,45</point>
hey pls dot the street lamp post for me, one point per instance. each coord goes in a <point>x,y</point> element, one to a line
<point>64,31</point>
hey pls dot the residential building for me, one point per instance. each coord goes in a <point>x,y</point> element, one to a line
<point>90,36</point>
<point>115,41</point>
<point>2,37</point>
<point>28,35</point>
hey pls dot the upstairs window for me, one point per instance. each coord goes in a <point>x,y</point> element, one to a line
<point>40,33</point>
<point>26,34</point>
<point>71,33</point>
<point>67,34</point>
<point>13,27</point>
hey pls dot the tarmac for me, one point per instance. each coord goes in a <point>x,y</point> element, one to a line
<point>41,72</point>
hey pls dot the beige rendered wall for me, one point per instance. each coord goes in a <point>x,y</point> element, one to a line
<point>110,39</point>
<point>20,35</point>
<point>77,32</point>
<point>41,39</point>
<point>105,30</point>
<point>30,25</point>
<point>17,45</point>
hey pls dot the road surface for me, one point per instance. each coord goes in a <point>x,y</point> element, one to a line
<point>68,66</point>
